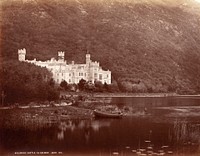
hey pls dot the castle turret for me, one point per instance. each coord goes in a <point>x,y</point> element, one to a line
<point>21,54</point>
<point>61,56</point>
<point>88,58</point>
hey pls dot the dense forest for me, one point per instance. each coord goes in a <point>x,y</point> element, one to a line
<point>24,82</point>
<point>150,46</point>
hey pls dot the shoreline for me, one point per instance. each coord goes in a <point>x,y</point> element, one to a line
<point>140,95</point>
<point>132,95</point>
<point>107,95</point>
<point>41,114</point>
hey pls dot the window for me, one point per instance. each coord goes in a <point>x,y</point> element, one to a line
<point>69,80</point>
<point>100,76</point>
<point>95,75</point>
<point>69,74</point>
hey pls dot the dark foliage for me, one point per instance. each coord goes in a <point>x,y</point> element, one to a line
<point>88,86</point>
<point>99,87</point>
<point>24,82</point>
<point>81,84</point>
<point>64,85</point>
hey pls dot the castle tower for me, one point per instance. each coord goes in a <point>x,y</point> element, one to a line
<point>88,58</point>
<point>21,54</point>
<point>89,69</point>
<point>61,56</point>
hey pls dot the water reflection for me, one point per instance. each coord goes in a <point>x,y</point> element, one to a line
<point>139,136</point>
<point>60,135</point>
<point>84,125</point>
<point>185,132</point>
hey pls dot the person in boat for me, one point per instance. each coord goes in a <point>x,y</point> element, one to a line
<point>145,110</point>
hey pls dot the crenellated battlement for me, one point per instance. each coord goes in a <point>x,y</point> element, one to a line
<point>21,54</point>
<point>61,53</point>
<point>61,56</point>
<point>22,51</point>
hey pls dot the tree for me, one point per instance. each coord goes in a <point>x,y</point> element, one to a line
<point>140,87</point>
<point>99,87</point>
<point>52,94</point>
<point>106,86</point>
<point>125,86</point>
<point>89,86</point>
<point>72,87</point>
<point>64,85</point>
<point>52,82</point>
<point>81,84</point>
<point>113,87</point>
<point>24,82</point>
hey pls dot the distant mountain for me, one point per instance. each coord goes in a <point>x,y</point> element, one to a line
<point>149,45</point>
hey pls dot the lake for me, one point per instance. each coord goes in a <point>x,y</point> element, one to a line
<point>171,126</point>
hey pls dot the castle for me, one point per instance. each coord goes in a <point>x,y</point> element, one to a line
<point>71,73</point>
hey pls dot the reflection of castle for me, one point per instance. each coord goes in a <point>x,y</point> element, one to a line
<point>86,125</point>
<point>71,73</point>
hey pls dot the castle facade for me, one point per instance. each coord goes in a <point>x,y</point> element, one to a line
<point>71,73</point>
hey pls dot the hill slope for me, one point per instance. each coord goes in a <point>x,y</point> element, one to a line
<point>149,45</point>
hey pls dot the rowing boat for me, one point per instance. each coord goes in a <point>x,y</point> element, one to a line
<point>103,114</point>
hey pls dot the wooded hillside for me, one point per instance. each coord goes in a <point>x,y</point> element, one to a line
<point>149,45</point>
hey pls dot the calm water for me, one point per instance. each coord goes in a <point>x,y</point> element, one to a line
<point>172,125</point>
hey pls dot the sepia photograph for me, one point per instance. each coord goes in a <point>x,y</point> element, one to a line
<point>99,77</point>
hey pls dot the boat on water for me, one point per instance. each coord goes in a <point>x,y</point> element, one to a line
<point>103,114</point>
<point>63,116</point>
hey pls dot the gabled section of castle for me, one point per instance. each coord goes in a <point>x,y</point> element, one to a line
<point>71,72</point>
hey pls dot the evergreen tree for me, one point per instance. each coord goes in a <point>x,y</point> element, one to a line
<point>81,84</point>
<point>64,85</point>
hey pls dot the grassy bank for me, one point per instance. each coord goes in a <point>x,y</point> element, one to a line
<point>19,117</point>
<point>44,115</point>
